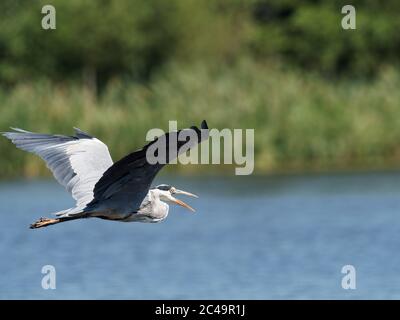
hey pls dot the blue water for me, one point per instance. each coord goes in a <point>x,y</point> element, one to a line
<point>280,237</point>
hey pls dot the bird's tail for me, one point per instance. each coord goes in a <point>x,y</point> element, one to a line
<point>71,212</point>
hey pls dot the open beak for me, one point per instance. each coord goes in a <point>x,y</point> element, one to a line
<point>183,204</point>
<point>185,193</point>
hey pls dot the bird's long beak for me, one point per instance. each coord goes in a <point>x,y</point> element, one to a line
<point>183,204</point>
<point>185,193</point>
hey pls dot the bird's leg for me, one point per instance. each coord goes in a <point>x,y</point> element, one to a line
<point>44,222</point>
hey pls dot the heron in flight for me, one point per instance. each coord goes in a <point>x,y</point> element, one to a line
<point>119,191</point>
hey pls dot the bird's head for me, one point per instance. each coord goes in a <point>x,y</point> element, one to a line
<point>166,193</point>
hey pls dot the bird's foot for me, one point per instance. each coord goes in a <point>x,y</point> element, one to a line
<point>43,222</point>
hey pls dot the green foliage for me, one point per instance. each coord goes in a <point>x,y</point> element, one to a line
<point>318,96</point>
<point>300,121</point>
<point>98,39</point>
<point>309,34</point>
<point>103,39</point>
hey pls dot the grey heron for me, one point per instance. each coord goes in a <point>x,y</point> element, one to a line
<point>119,191</point>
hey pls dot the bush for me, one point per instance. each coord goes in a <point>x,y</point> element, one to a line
<point>308,34</point>
<point>96,41</point>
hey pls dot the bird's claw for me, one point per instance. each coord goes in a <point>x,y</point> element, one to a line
<point>43,222</point>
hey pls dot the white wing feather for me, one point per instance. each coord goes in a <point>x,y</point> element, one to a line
<point>77,162</point>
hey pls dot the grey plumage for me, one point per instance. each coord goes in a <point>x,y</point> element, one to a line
<point>101,188</point>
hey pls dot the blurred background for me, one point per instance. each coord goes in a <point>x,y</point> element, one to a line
<point>324,103</point>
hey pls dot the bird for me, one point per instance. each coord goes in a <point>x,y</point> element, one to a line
<point>119,191</point>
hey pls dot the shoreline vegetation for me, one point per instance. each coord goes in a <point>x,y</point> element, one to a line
<point>303,121</point>
<point>319,97</point>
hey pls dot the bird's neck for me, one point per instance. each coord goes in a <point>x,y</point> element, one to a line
<point>160,208</point>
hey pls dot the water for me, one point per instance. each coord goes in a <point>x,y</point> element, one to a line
<point>281,237</point>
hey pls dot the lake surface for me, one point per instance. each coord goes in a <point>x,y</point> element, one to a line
<point>279,237</point>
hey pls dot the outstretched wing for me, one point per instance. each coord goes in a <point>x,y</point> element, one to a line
<point>77,162</point>
<point>125,184</point>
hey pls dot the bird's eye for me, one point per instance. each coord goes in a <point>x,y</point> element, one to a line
<point>172,190</point>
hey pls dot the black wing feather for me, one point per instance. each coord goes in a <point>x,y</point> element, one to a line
<point>130,178</point>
